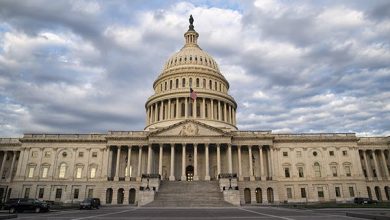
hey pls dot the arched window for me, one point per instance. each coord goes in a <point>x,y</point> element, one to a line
<point>183,83</point>
<point>62,171</point>
<point>170,84</point>
<point>317,169</point>
<point>204,83</point>
<point>215,86</point>
<point>210,84</point>
<point>165,86</point>
<point>93,172</point>
<point>190,82</point>
<point>177,83</point>
<point>197,82</point>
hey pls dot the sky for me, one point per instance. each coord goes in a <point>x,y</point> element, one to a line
<point>87,66</point>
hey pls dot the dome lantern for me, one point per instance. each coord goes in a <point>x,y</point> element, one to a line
<point>191,36</point>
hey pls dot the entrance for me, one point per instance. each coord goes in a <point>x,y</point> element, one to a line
<point>190,173</point>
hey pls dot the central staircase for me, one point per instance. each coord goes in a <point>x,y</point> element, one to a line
<point>189,194</point>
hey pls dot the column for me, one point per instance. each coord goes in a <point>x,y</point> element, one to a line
<point>149,168</point>
<point>219,111</point>
<point>271,173</point>
<point>239,161</point>
<point>251,177</point>
<point>104,166</point>
<point>225,112</point>
<point>378,173</point>
<point>186,107</point>
<point>139,163</point>
<point>206,150</point>
<point>194,109</point>
<point>118,156</point>
<point>147,115</point>
<point>230,158</point>
<point>12,166</point>
<point>128,174</point>
<point>183,163</point>
<point>368,169</point>
<point>211,109</point>
<point>161,110</point>
<point>218,160</point>
<point>20,160</point>
<point>169,109</point>
<point>177,108</point>
<point>172,173</point>
<point>155,112</point>
<point>384,164</point>
<point>196,177</point>
<point>203,108</point>
<point>262,176</point>
<point>2,164</point>
<point>160,160</point>
<point>230,114</point>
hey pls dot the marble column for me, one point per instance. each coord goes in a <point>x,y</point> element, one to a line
<point>207,176</point>
<point>219,111</point>
<point>183,163</point>
<point>194,109</point>
<point>262,174</point>
<point>12,166</point>
<point>271,173</point>
<point>128,174</point>
<point>230,165</point>
<point>172,173</point>
<point>196,177</point>
<point>160,160</point>
<point>155,112</point>
<point>19,166</point>
<point>218,160</point>
<point>377,170</point>
<point>139,163</point>
<point>149,164</point>
<point>251,177</point>
<point>3,164</point>
<point>204,108</point>
<point>161,110</point>
<point>186,107</point>
<point>104,166</point>
<point>177,108</point>
<point>211,109</point>
<point>239,161</point>
<point>169,109</point>
<point>118,156</point>
<point>384,164</point>
<point>225,112</point>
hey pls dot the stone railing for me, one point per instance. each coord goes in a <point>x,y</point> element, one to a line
<point>227,175</point>
<point>9,141</point>
<point>58,137</point>
<point>151,176</point>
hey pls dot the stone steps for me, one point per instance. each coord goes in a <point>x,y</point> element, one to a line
<point>189,194</point>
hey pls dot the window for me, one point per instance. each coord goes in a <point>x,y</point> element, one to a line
<point>285,154</point>
<point>300,172</point>
<point>62,172</point>
<point>177,83</point>
<point>79,171</point>
<point>44,172</point>
<point>289,193</point>
<point>331,153</point>
<point>34,154</point>
<point>204,83</point>
<point>64,154</point>
<point>76,193</point>
<point>26,193</point>
<point>337,191</point>
<point>287,172</point>
<point>345,153</point>
<point>81,154</point>
<point>347,170</point>
<point>183,82</point>
<point>317,170</point>
<point>351,191</point>
<point>170,84</point>
<point>299,153</point>
<point>41,192</point>
<point>197,82</point>
<point>190,82</point>
<point>303,192</point>
<point>93,172</point>
<point>31,172</point>
<point>47,154</point>
<point>334,170</point>
<point>58,193</point>
<point>94,154</point>
<point>210,84</point>
<point>90,193</point>
<point>315,153</point>
<point>320,192</point>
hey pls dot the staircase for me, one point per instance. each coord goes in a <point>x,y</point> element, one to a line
<point>189,194</point>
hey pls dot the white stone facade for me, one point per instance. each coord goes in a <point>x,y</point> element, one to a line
<point>194,138</point>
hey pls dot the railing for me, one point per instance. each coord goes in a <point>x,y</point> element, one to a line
<point>317,134</point>
<point>110,178</point>
<point>65,136</point>
<point>151,176</point>
<point>227,175</point>
<point>121,178</point>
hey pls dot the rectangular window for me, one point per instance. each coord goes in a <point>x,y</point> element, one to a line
<point>287,172</point>
<point>320,192</point>
<point>34,154</point>
<point>76,193</point>
<point>58,193</point>
<point>351,191</point>
<point>94,154</point>
<point>31,172</point>
<point>78,172</point>
<point>81,154</point>
<point>331,153</point>
<point>285,154</point>
<point>90,193</point>
<point>289,193</point>
<point>299,153</point>
<point>334,171</point>
<point>337,191</point>
<point>348,171</point>
<point>300,172</point>
<point>345,153</point>
<point>44,172</point>
<point>303,192</point>
<point>26,193</point>
<point>41,192</point>
<point>47,153</point>
<point>93,172</point>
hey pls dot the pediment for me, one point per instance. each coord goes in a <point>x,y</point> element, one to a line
<point>189,128</point>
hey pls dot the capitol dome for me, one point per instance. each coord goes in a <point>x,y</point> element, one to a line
<point>191,69</point>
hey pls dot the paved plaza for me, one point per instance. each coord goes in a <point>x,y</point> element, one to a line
<point>241,213</point>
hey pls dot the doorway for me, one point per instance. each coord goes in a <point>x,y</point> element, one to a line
<point>190,173</point>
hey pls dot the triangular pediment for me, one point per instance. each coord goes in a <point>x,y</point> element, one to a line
<point>189,128</point>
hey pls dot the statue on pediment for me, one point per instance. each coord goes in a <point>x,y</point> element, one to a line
<point>189,130</point>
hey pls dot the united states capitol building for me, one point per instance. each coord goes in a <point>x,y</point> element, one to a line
<point>192,147</point>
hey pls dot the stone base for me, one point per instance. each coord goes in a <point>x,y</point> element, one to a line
<point>196,178</point>
<point>183,178</point>
<point>207,178</point>
<point>138,179</point>
<point>172,178</point>
<point>252,178</point>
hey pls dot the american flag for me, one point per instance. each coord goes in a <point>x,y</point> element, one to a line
<point>193,94</point>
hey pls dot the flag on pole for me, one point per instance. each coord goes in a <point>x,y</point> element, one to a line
<point>193,94</point>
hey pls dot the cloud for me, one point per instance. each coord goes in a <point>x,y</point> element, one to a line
<point>88,66</point>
